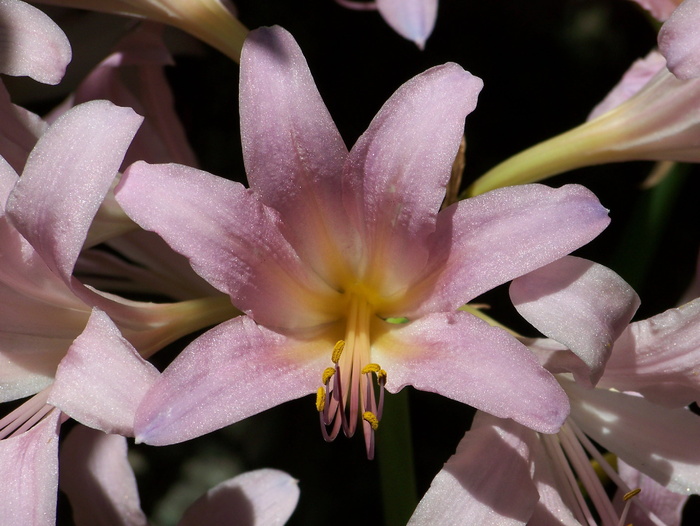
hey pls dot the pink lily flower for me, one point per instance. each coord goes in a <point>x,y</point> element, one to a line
<point>523,477</point>
<point>348,275</point>
<point>32,44</point>
<point>211,21</point>
<point>412,19</point>
<point>645,117</point>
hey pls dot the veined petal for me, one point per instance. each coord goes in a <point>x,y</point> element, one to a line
<point>484,241</point>
<point>232,240</point>
<point>102,378</point>
<point>233,371</point>
<point>265,497</point>
<point>579,303</point>
<point>292,150</point>
<point>658,441</point>
<point>464,358</point>
<point>395,175</point>
<point>487,481</point>
<point>32,44</point>
<point>98,480</point>
<point>659,357</point>
<point>679,40</point>
<point>412,19</point>
<point>29,467</point>
<point>66,178</point>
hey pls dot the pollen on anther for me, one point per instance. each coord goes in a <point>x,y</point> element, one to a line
<point>631,494</point>
<point>371,368</point>
<point>320,399</point>
<point>327,374</point>
<point>370,417</point>
<point>337,351</point>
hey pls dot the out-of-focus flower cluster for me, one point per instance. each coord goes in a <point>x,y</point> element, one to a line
<point>145,302</point>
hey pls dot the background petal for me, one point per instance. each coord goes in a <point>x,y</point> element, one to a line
<point>679,40</point>
<point>412,19</point>
<point>98,480</point>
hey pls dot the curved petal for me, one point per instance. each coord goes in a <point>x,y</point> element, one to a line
<point>487,481</point>
<point>579,303</point>
<point>66,178</point>
<point>412,19</point>
<point>29,467</point>
<point>31,44</point>
<point>233,371</point>
<point>294,155</point>
<point>98,480</point>
<point>658,357</point>
<point>490,239</point>
<point>19,131</point>
<point>464,358</point>
<point>395,175</point>
<point>679,40</point>
<point>659,442</point>
<point>232,240</point>
<point>265,497</point>
<point>102,378</point>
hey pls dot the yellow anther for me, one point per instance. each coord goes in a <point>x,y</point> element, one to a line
<point>381,375</point>
<point>327,374</point>
<point>371,368</point>
<point>631,494</point>
<point>320,399</point>
<point>337,351</point>
<point>370,417</point>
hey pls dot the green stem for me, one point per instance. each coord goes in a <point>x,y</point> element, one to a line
<point>395,458</point>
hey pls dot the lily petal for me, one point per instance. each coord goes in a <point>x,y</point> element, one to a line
<point>679,40</point>
<point>395,175</point>
<point>412,19</point>
<point>32,44</point>
<point>493,238</point>
<point>487,481</point>
<point>19,131</point>
<point>29,467</point>
<point>98,480</point>
<point>658,357</point>
<point>83,149</point>
<point>464,358</point>
<point>265,497</point>
<point>102,378</point>
<point>660,9</point>
<point>579,303</point>
<point>658,441</point>
<point>295,155</point>
<point>233,371</point>
<point>232,240</point>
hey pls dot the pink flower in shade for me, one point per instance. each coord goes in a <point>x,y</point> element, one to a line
<point>412,19</point>
<point>211,21</point>
<point>501,469</point>
<point>100,485</point>
<point>347,274</point>
<point>31,43</point>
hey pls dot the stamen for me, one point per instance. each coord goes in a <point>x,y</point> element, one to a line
<point>320,399</point>
<point>371,368</point>
<point>372,419</point>
<point>627,498</point>
<point>631,494</point>
<point>337,351</point>
<point>327,375</point>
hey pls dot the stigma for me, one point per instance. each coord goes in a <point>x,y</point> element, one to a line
<point>352,390</point>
